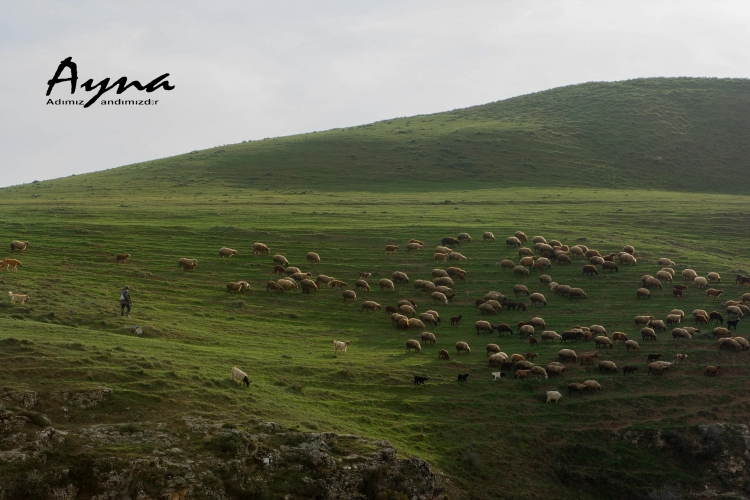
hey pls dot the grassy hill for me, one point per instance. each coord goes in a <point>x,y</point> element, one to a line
<point>546,163</point>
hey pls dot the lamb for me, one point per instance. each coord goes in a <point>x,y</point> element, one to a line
<point>399,277</point>
<point>603,341</point>
<point>370,306</point>
<point>340,346</point>
<point>386,284</point>
<point>443,354</point>
<point>642,292</point>
<point>308,286</point>
<point>632,345</point>
<point>732,323</point>
<point>260,248</point>
<point>689,275</point>
<point>567,355</point>
<point>391,249</point>
<point>497,376</point>
<point>240,376</point>
<point>413,344</point>
<point>428,337</point>
<point>462,346</point>
<point>17,297</point>
<point>227,252</point>
<point>462,377</point>
<point>550,335</point>
<point>20,246</point>
<point>280,260</point>
<point>187,264</point>
<point>575,387</point>
<point>456,256</point>
<point>607,366</point>
<point>488,236</point>
<point>414,247</point>
<point>593,385</point>
<point>538,298</point>
<point>122,258</point>
<point>512,242</point>
<point>553,396</point>
<point>349,295</point>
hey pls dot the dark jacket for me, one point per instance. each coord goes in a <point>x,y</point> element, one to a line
<point>124,296</point>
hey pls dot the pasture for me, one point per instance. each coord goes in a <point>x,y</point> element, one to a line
<point>490,439</point>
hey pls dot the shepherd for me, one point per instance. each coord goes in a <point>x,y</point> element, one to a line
<point>125,301</point>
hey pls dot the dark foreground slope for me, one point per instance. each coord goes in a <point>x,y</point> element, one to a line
<point>683,134</point>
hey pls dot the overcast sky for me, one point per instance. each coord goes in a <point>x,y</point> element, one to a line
<point>248,70</point>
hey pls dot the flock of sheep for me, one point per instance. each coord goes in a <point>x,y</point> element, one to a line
<point>440,287</point>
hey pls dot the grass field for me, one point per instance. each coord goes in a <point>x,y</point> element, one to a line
<point>492,440</point>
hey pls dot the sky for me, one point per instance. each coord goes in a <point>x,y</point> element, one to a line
<point>246,70</point>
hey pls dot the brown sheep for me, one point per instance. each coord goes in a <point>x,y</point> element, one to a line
<point>521,236</point>
<point>463,346</point>
<point>413,344</point>
<point>238,286</point>
<point>338,284</point>
<point>619,337</point>
<point>522,374</point>
<point>443,354</point>
<point>278,270</point>
<point>575,387</point>
<point>227,252</point>
<point>588,359</point>
<point>714,293</point>
<point>187,264</point>
<point>712,371</point>
<point>455,271</point>
<point>563,259</point>
<point>555,370</point>
<point>122,258</point>
<point>589,270</point>
<point>440,257</point>
<point>280,260</point>
<point>391,248</point>
<point>273,286</point>
<point>577,293</point>
<point>260,248</point>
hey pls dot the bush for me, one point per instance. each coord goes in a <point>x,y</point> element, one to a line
<point>27,486</point>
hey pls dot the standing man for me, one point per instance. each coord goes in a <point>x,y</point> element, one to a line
<point>125,301</point>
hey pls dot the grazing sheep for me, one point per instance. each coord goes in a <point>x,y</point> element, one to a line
<point>414,247</point>
<point>653,283</point>
<point>700,282</point>
<point>550,335</point>
<point>596,261</point>
<point>593,385</point>
<point>664,276</point>
<point>680,333</point>
<point>526,330</point>
<point>632,345</point>
<point>526,262</point>
<point>539,371</point>
<point>487,309</point>
<point>629,370</point>
<point>456,256</point>
<point>483,326</point>
<point>361,284</point>
<point>537,298</point>
<point>280,260</point>
<point>416,324</point>
<point>567,355</point>
<point>603,341</point>
<point>619,337</point>
<point>428,286</point>
<point>598,329</point>
<point>713,293</point>
<point>492,348</point>
<point>525,252</point>
<point>488,236</point>
<point>440,297</point>
<point>576,387</point>
<point>658,367</point>
<point>399,277</point>
<point>300,276</point>
<point>428,319</point>
<point>538,323</point>
<point>337,284</point>
<point>463,346</point>
<point>648,333</point>
<point>652,357</point>
<point>391,249</point>
<point>122,258</point>
<point>464,237</point>
<point>349,295</point>
<point>455,271</point>
<point>273,286</point>
<point>340,346</point>
<point>665,262</point>
<point>370,306</point>
<point>742,342</point>
<point>689,275</point>
<point>434,315</point>
<point>627,260</point>
<point>227,252</point>
<point>588,359</point>
<point>279,270</point>
<point>260,248</point>
<point>520,290</point>
<point>187,264</point>
<point>440,257</point>
<point>674,319</point>
<point>545,279</point>
<point>503,328</point>
<point>238,286</point>
<point>240,376</point>
<point>313,258</point>
<point>522,374</point>
<point>553,396</point>
<point>439,273</point>
<point>443,281</point>
<point>607,366</point>
<point>642,292</point>
<point>609,267</point>
<point>745,299</point>
<point>730,344</point>
<point>657,325</point>
<point>497,359</point>
<point>17,297</point>
<point>577,293</point>
<point>589,270</point>
<point>413,344</point>
<point>734,310</point>
<point>443,354</point>
<point>512,242</point>
<point>563,259</point>
<point>449,241</point>
<point>521,236</point>
<point>441,249</point>
<point>538,239</point>
<point>721,332</point>
<point>428,337</point>
<point>455,320</point>
<point>386,284</point>
<point>716,317</point>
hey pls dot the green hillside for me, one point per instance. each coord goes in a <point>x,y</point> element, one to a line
<point>553,164</point>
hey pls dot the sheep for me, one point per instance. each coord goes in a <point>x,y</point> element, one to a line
<point>665,262</point>
<point>386,284</point>
<point>531,355</point>
<point>8,263</point>
<point>679,357</point>
<point>428,319</point>
<point>443,281</point>
<point>711,371</point>
<point>567,355</point>
<point>439,297</point>
<point>593,385</point>
<point>700,282</point>
<point>603,341</point>
<point>428,337</point>
<point>555,369</point>
<point>434,315</point>
<point>122,258</point>
<point>538,322</point>
<point>455,271</point>
<point>576,387</point>
<point>577,292</point>
<point>488,236</point>
<point>648,333</point>
<point>522,374</point>
<point>17,297</point>
<point>370,306</point>
<point>689,275</point>
<point>428,286</point>
<point>227,252</point>
<point>492,348</point>
<point>609,267</point>
<point>340,346</point>
<point>442,249</point>
<point>455,320</point>
<point>735,310</point>
<point>187,264</point>
<point>729,343</point>
<point>520,290</point>
<point>716,317</point>
<point>627,260</point>
<point>588,359</point>
<point>443,354</point>
<point>742,342</point>
<point>287,284</point>
<point>497,376</point>
<point>713,293</point>
<point>280,260</point>
<point>657,325</point>
<point>413,344</point>
<point>526,330</point>
<point>456,256</point>
<point>525,262</point>
<point>413,247</point>
<point>512,242</point>
<point>680,333</point>
<point>550,335</point>
<point>415,324</point>
<point>20,246</point>
<point>391,249</point>
<point>721,332</point>
<point>361,284</point>
<point>449,241</point>
<point>674,319</point>
<point>653,283</point>
<point>273,286</point>
<point>399,277</point>
<point>503,328</point>
<point>607,366</point>
<point>525,252</point>
<point>464,237</point>
<point>439,257</point>
<point>643,320</point>
<point>544,249</point>
<point>496,359</point>
<point>260,248</point>
<point>238,286</point>
<point>463,346</point>
<point>494,296</point>
<point>240,376</point>
<point>619,337</point>
<point>483,326</point>
<point>538,298</point>
<point>632,345</point>
<point>577,251</point>
<point>658,367</point>
<point>553,396</point>
<point>300,276</point>
<point>417,241</point>
<point>664,276</point>
<point>589,270</point>
<point>349,295</point>
<point>487,309</point>
<point>642,292</point>
<point>539,371</point>
<point>596,261</point>
<point>745,299</point>
<point>279,270</point>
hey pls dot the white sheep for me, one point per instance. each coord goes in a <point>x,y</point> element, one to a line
<point>553,396</point>
<point>240,376</point>
<point>339,346</point>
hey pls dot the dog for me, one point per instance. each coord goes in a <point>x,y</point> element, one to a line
<point>462,377</point>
